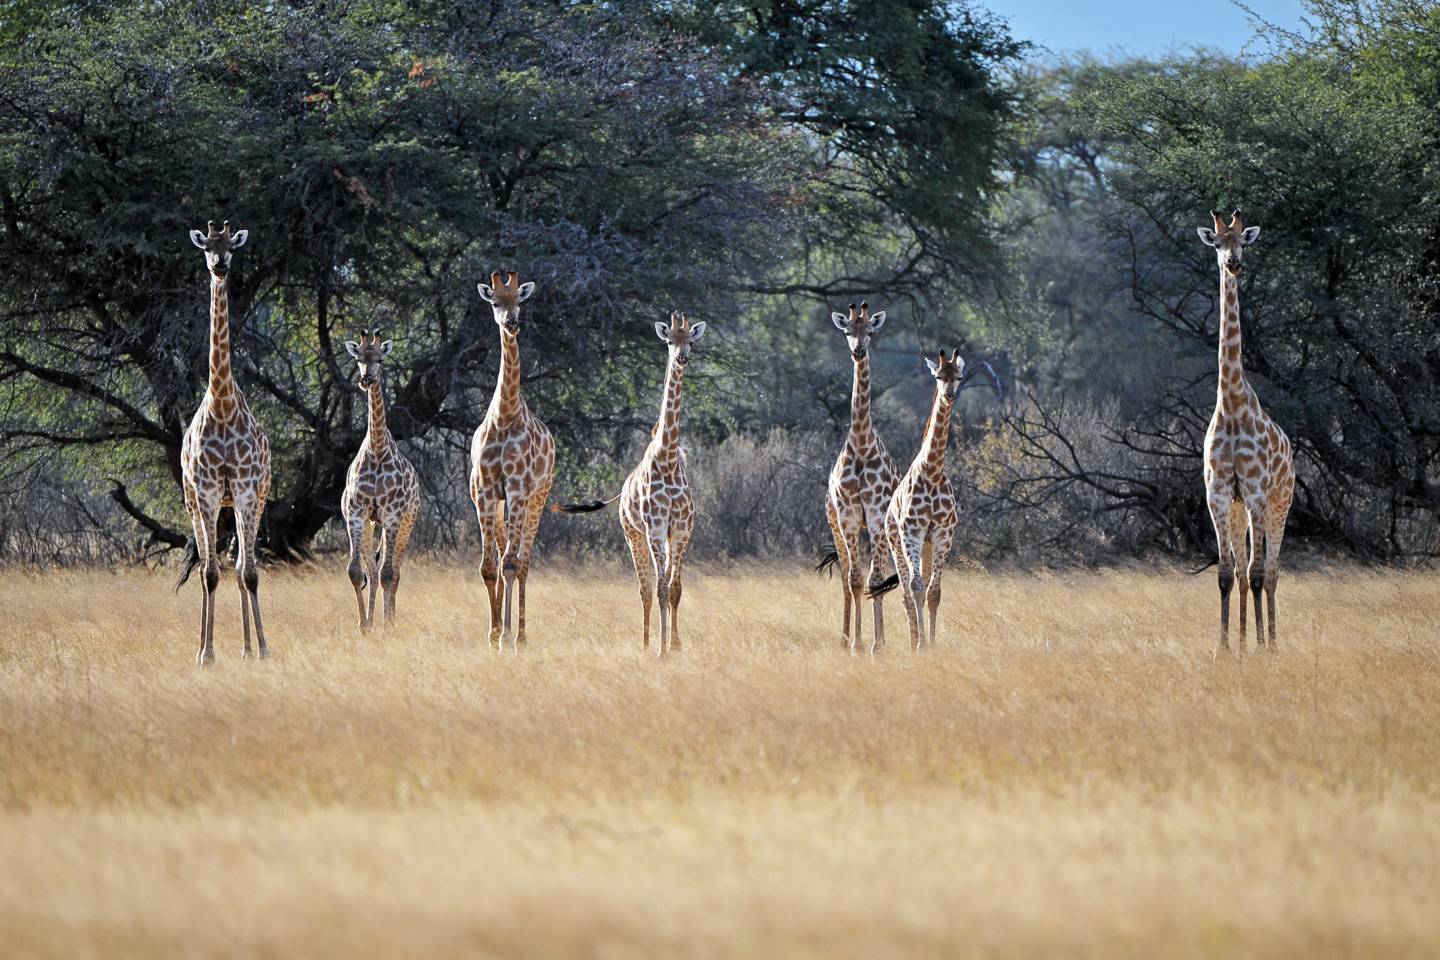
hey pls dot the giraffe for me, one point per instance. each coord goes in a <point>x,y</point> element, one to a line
<point>861,483</point>
<point>1249,468</point>
<point>381,490</point>
<point>224,459</point>
<point>512,466</point>
<point>920,522</point>
<point>657,510</point>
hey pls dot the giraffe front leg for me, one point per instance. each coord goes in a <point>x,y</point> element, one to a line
<point>1273,537</point>
<point>679,543</point>
<point>882,561</point>
<point>1255,575</point>
<point>355,527</point>
<point>913,584</point>
<point>516,519</point>
<point>837,530</point>
<point>1219,503</point>
<point>527,545</point>
<point>899,556</point>
<point>659,560</point>
<point>395,545</point>
<point>940,549</point>
<point>1237,559</point>
<point>247,528</point>
<point>204,518</point>
<point>640,556</point>
<point>490,541</point>
<point>370,554</point>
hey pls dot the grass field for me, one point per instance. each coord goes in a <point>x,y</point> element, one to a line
<point>1070,773</point>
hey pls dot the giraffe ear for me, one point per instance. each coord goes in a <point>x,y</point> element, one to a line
<point>697,330</point>
<point>1207,236</point>
<point>386,347</point>
<point>486,293</point>
<point>237,239</point>
<point>877,320</point>
<point>526,289</point>
<point>842,322</point>
<point>197,238</point>
<point>1249,236</point>
<point>352,348</point>
<point>934,367</point>
<point>662,330</point>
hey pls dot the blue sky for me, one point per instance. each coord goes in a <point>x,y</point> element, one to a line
<point>1145,27</point>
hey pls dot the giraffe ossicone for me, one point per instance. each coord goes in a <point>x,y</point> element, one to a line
<point>382,491</point>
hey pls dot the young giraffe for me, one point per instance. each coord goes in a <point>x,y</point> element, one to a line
<point>657,510</point>
<point>861,483</point>
<point>1248,463</point>
<point>512,465</point>
<point>920,523</point>
<point>224,459</point>
<point>381,490</point>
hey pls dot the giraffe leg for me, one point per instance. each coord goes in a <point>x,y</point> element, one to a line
<point>517,516</point>
<point>247,528</point>
<point>1273,537</point>
<point>490,542</point>
<point>644,573</point>
<point>842,550</point>
<point>882,562</point>
<point>1255,574</point>
<point>679,543</point>
<point>1219,503</point>
<point>355,527</point>
<point>204,517</point>
<point>913,541</point>
<point>395,552</point>
<point>659,549</point>
<point>939,550</point>
<point>372,569</point>
<point>1237,559</point>
<point>900,554</point>
<point>527,543</point>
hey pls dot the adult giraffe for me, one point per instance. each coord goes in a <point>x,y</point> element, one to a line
<point>381,491</point>
<point>512,466</point>
<point>861,483</point>
<point>224,459</point>
<point>657,510</point>
<point>1249,466</point>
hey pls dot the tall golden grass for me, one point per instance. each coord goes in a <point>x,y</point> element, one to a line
<point>1071,772</point>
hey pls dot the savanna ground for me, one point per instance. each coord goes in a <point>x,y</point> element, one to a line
<point>1070,772</point>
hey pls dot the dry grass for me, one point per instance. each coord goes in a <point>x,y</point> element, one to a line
<point>1070,773</point>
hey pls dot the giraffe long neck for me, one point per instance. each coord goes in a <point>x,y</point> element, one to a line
<point>667,428</point>
<point>507,388</point>
<point>937,434</point>
<point>1232,372</point>
<point>222,382</point>
<point>377,436</point>
<point>860,404</point>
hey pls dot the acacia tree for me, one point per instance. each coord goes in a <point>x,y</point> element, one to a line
<point>382,167</point>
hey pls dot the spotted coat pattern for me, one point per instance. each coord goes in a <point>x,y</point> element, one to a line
<point>1249,464</point>
<point>861,484</point>
<point>382,493</point>
<point>512,467</point>
<point>920,523</point>
<point>224,458</point>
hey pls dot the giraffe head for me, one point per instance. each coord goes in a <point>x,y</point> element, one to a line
<point>505,296</point>
<point>859,326</point>
<point>947,372</point>
<point>218,246</point>
<point>1228,241</point>
<point>368,353</point>
<point>680,334</point>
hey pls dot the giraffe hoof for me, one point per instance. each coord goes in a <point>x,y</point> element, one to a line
<point>264,654</point>
<point>204,658</point>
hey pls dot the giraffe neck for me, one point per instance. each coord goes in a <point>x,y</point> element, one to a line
<point>860,404</point>
<point>667,428</point>
<point>1232,371</point>
<point>937,433</point>
<point>377,436</point>
<point>222,383</point>
<point>507,388</point>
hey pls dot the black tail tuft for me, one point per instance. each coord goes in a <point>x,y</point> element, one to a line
<point>884,586</point>
<point>189,564</point>
<point>828,562</point>
<point>590,507</point>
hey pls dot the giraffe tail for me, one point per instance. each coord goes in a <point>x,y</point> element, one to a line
<point>590,507</point>
<point>189,564</point>
<point>828,562</point>
<point>884,586</point>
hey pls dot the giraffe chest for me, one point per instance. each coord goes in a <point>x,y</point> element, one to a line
<point>1244,449</point>
<point>230,446</point>
<point>862,473</point>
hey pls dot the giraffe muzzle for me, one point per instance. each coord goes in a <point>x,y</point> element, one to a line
<point>858,354</point>
<point>367,381</point>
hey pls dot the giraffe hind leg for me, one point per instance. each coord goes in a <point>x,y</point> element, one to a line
<point>1238,559</point>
